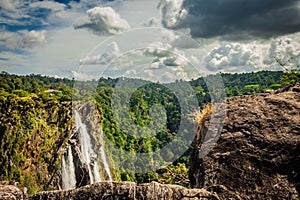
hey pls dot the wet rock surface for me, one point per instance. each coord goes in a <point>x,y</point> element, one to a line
<point>127,190</point>
<point>258,153</point>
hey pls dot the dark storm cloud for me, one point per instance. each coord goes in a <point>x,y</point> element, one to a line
<point>237,19</point>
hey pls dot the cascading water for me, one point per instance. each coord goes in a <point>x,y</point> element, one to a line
<point>86,147</point>
<point>80,160</point>
<point>68,170</point>
<point>104,160</point>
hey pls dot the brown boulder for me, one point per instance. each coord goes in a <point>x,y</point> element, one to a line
<point>258,153</point>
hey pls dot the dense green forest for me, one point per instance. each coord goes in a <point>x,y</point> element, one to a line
<point>36,120</point>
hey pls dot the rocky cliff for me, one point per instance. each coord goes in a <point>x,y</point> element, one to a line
<point>258,153</point>
<point>127,190</point>
<point>111,190</point>
<point>33,131</point>
<point>11,191</point>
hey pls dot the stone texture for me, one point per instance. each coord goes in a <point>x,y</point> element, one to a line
<point>258,153</point>
<point>127,190</point>
<point>10,191</point>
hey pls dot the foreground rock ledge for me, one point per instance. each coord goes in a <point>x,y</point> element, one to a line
<point>258,153</point>
<point>126,190</point>
<point>10,191</point>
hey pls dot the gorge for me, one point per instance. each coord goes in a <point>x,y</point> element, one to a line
<point>256,156</point>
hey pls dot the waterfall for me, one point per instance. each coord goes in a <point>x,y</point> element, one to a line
<point>88,153</point>
<point>68,170</point>
<point>104,160</point>
<point>81,159</point>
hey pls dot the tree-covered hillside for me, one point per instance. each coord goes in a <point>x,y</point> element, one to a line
<point>36,121</point>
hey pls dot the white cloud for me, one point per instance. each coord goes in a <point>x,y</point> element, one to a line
<point>152,22</point>
<point>33,38</point>
<point>12,11</point>
<point>178,40</point>
<point>171,61</point>
<point>163,74</point>
<point>257,55</point>
<point>102,20</point>
<point>158,49</point>
<point>234,57</point>
<point>81,76</point>
<point>138,12</point>
<point>34,13</point>
<point>7,5</point>
<point>22,39</point>
<point>172,12</point>
<point>111,52</point>
<point>51,5</point>
<point>286,50</point>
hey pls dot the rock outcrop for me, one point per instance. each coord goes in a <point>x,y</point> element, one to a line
<point>126,190</point>
<point>10,191</point>
<point>258,153</point>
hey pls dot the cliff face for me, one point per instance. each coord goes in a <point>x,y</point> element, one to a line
<point>127,190</point>
<point>110,190</point>
<point>258,153</point>
<point>32,132</point>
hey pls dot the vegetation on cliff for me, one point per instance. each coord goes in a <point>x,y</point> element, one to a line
<point>36,122</point>
<point>33,128</point>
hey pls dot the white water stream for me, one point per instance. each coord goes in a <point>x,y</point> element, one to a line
<point>68,170</point>
<point>104,160</point>
<point>88,155</point>
<point>87,151</point>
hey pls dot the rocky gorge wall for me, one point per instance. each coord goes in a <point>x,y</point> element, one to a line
<point>258,153</point>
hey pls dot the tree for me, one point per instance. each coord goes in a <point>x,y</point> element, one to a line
<point>291,77</point>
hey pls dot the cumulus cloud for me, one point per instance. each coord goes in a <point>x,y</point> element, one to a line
<point>164,55</point>
<point>177,40</point>
<point>233,57</point>
<point>173,14</point>
<point>158,49</point>
<point>151,22</point>
<point>286,50</point>
<point>171,61</point>
<point>112,51</point>
<point>232,19</point>
<point>102,20</point>
<point>168,64</point>
<point>22,39</point>
<point>256,55</point>
<point>164,74</point>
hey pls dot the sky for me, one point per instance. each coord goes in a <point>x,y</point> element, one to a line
<point>151,39</point>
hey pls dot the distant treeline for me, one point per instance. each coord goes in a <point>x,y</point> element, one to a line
<point>236,84</point>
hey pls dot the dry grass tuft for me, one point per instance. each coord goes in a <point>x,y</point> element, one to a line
<point>200,116</point>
